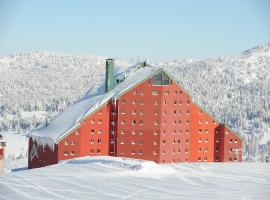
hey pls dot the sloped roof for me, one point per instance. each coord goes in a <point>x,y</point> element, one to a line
<point>94,99</point>
<point>71,118</point>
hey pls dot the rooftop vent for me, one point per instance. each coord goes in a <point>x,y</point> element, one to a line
<point>109,74</point>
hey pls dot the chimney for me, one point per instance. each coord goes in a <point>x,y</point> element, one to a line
<point>109,74</point>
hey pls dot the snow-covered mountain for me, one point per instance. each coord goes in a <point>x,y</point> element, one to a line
<point>121,178</point>
<point>236,89</point>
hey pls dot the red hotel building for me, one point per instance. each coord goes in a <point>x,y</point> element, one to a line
<point>142,113</point>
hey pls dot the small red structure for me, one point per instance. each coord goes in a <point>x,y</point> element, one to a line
<point>2,156</point>
<point>144,114</point>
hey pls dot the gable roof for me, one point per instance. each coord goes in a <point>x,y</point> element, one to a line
<point>94,99</point>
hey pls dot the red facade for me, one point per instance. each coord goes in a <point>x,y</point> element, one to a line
<point>157,122</point>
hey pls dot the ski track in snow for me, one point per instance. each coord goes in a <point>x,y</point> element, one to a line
<point>117,178</point>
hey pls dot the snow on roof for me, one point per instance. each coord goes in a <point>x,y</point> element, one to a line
<point>94,99</point>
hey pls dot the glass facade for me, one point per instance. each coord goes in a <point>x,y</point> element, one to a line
<point>161,79</point>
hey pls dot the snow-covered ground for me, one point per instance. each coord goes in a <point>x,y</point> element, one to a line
<point>118,178</point>
<point>15,151</point>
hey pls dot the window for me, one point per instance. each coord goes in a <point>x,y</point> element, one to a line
<point>66,153</point>
<point>98,151</point>
<point>205,158</point>
<point>141,122</point>
<point>206,140</point>
<point>175,102</point>
<point>175,92</point>
<point>166,92</point>
<point>134,92</point>
<point>66,142</point>
<point>173,141</point>
<point>205,149</point>
<point>92,141</point>
<point>123,122</point>
<point>100,111</point>
<point>99,121</point>
<point>180,102</point>
<point>141,102</point>
<point>174,122</point>
<point>134,101</point>
<point>155,122</point>
<point>200,130</point>
<point>155,92</point>
<point>230,150</point>
<point>231,140</point>
<point>164,112</point>
<point>154,152</point>
<point>155,132</point>
<point>174,112</point>
<point>164,102</point>
<point>216,149</point>
<point>199,159</point>
<point>226,132</point>
<point>174,132</point>
<point>72,153</point>
<point>164,122</point>
<point>92,121</point>
<point>92,131</point>
<point>112,141</point>
<point>206,122</point>
<point>140,133</point>
<point>134,112</point>
<point>123,112</point>
<point>132,152</point>
<point>140,152</point>
<point>141,112</point>
<point>133,132</point>
<point>156,112</point>
<point>200,121</point>
<point>235,141</point>
<point>141,92</point>
<point>134,122</point>
<point>155,142</point>
<point>77,133</point>
<point>123,101</point>
<point>187,122</point>
<point>160,79</point>
<point>179,141</point>
<point>99,141</point>
<point>99,131</point>
<point>122,142</point>
<point>200,140</point>
<point>180,92</point>
<point>200,112</point>
<point>122,132</point>
<point>72,142</point>
<point>187,112</point>
<point>163,152</point>
<point>92,151</point>
<point>122,152</point>
<point>163,141</point>
<point>155,102</point>
<point>206,130</point>
<point>133,142</point>
<point>140,142</point>
<point>200,149</point>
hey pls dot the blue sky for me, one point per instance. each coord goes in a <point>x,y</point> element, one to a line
<point>125,29</point>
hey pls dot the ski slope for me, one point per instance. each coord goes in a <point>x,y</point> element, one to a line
<point>119,178</point>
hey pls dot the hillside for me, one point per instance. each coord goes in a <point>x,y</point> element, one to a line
<point>236,89</point>
<point>118,178</point>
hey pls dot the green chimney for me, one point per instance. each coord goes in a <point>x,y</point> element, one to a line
<point>109,74</point>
